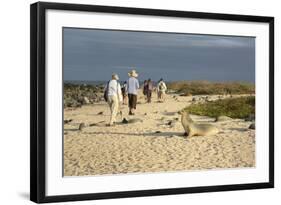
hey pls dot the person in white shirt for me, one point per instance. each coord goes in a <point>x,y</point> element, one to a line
<point>161,90</point>
<point>132,86</point>
<point>114,97</point>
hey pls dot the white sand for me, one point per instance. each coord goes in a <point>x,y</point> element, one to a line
<point>127,148</point>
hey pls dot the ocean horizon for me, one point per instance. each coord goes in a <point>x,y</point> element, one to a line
<point>103,82</point>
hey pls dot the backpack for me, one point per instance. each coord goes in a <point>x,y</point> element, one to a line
<point>105,94</point>
<point>161,86</point>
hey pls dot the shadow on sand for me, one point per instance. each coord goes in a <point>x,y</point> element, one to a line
<point>145,134</point>
<point>238,129</point>
<point>71,129</point>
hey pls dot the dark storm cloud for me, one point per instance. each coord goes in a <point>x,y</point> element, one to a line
<point>95,54</point>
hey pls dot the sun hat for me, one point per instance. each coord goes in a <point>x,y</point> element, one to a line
<point>115,76</point>
<point>133,73</point>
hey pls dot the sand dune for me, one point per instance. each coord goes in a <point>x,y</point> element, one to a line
<point>153,143</point>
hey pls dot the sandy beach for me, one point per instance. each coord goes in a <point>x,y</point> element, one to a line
<point>153,141</point>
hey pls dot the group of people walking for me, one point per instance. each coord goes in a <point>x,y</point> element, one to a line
<point>160,89</point>
<point>115,94</point>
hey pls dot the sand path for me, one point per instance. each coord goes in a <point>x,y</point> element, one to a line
<point>154,143</point>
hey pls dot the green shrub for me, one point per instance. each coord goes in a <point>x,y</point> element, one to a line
<point>211,88</point>
<point>240,107</point>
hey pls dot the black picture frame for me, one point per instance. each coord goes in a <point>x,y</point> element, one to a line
<point>38,101</point>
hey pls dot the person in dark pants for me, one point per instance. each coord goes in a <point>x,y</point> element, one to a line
<point>149,90</point>
<point>124,93</point>
<point>144,91</point>
<point>133,86</point>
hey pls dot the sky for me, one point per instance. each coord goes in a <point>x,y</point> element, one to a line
<point>93,55</point>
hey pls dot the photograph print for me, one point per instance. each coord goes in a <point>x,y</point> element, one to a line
<point>151,102</point>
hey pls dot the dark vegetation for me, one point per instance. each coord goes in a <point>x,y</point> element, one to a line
<point>78,95</point>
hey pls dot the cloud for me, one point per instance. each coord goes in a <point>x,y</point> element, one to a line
<point>82,37</point>
<point>95,54</point>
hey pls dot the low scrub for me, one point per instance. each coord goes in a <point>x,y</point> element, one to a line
<point>211,88</point>
<point>240,107</point>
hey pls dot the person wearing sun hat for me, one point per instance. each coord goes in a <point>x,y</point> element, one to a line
<point>132,86</point>
<point>114,96</point>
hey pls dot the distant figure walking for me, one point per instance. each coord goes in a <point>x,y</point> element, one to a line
<point>149,90</point>
<point>161,90</point>
<point>124,90</point>
<point>114,97</point>
<point>144,91</point>
<point>133,86</point>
